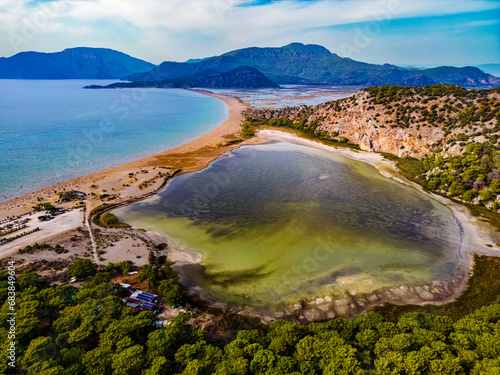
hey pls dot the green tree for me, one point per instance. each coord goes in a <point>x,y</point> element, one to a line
<point>82,268</point>
<point>175,295</point>
<point>128,361</point>
<point>160,366</point>
<point>233,366</point>
<point>28,278</point>
<point>40,356</point>
<point>199,358</point>
<point>97,361</point>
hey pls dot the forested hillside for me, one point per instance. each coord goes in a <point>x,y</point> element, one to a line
<point>65,330</point>
<point>312,64</point>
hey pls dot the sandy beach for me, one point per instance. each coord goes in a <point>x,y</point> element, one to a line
<point>117,182</point>
<point>190,156</point>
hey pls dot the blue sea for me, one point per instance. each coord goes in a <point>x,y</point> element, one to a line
<point>53,131</point>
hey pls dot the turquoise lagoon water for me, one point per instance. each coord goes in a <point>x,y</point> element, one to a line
<point>281,222</point>
<point>52,131</point>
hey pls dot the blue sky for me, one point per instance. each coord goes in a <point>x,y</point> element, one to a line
<point>377,31</point>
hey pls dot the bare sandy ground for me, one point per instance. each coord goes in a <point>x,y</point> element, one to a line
<point>59,224</point>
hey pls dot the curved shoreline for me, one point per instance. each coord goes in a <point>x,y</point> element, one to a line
<point>199,153</point>
<point>228,130</point>
<point>189,157</point>
<point>473,239</point>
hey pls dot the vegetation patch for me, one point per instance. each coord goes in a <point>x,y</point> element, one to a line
<point>37,247</point>
<point>82,268</point>
<point>483,289</point>
<point>109,220</point>
<point>247,129</point>
<point>233,142</point>
<point>90,330</point>
<point>8,239</point>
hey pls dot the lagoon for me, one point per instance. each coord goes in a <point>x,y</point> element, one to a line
<point>282,223</point>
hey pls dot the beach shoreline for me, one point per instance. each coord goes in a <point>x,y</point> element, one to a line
<point>228,130</point>
<point>116,181</point>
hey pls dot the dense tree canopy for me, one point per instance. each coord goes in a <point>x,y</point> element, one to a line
<point>65,330</point>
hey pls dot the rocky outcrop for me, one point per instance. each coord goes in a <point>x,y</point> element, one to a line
<point>380,128</point>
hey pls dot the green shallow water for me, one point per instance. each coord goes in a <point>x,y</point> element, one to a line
<point>282,222</point>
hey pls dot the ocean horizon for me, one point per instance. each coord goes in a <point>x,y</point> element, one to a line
<point>52,131</point>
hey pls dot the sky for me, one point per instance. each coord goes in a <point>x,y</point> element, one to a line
<point>401,32</point>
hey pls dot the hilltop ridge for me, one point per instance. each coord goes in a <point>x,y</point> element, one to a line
<point>297,63</point>
<point>240,77</point>
<point>447,136</point>
<point>72,63</point>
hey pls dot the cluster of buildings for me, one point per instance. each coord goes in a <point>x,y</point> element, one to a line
<point>141,301</point>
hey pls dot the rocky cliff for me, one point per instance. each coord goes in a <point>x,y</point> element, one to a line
<point>405,121</point>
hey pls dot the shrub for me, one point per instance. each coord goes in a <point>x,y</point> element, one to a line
<point>82,268</point>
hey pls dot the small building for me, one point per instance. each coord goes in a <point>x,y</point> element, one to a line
<point>144,297</point>
<point>141,301</point>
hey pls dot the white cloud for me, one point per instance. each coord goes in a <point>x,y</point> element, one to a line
<point>179,29</point>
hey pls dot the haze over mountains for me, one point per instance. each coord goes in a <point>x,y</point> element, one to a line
<point>312,64</point>
<point>295,63</point>
<point>72,63</point>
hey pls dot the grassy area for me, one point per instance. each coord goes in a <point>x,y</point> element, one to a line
<point>233,142</point>
<point>247,130</point>
<point>408,167</point>
<point>111,221</point>
<point>493,218</point>
<point>483,288</point>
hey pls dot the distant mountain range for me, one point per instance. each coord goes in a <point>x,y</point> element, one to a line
<point>297,63</point>
<point>72,63</point>
<point>240,77</point>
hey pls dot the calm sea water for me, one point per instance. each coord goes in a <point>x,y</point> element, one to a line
<point>282,222</point>
<point>52,131</point>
